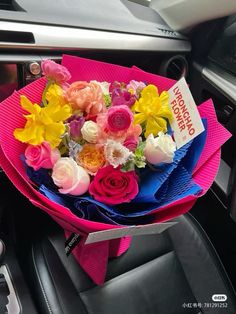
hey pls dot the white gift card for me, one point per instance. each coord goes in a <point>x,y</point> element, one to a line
<point>187,123</point>
<point>128,231</point>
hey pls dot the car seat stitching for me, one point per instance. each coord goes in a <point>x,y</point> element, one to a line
<point>40,283</point>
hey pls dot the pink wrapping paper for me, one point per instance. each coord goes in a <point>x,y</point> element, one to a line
<point>86,69</point>
<point>93,257</point>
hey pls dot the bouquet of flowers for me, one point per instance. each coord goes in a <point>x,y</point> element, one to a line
<point>93,144</point>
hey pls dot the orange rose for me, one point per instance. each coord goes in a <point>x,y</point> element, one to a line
<point>87,97</point>
<point>91,158</point>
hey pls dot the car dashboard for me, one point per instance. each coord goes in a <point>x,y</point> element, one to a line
<point>130,34</point>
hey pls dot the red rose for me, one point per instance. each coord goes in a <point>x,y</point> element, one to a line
<point>112,186</point>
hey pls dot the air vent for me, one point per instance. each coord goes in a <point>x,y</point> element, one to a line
<point>9,5</point>
<point>17,37</point>
<point>167,32</point>
<point>175,67</point>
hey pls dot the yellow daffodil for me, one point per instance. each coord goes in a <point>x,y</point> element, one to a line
<point>43,123</point>
<point>153,110</point>
<point>54,93</point>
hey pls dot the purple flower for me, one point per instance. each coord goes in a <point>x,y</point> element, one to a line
<point>136,87</point>
<point>75,125</point>
<point>122,97</point>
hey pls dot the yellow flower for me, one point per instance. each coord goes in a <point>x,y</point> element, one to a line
<point>43,123</point>
<point>153,110</point>
<point>55,93</point>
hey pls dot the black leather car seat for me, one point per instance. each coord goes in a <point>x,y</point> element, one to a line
<point>175,272</point>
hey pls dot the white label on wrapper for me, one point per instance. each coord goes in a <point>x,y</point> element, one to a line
<point>187,123</point>
<point>128,231</point>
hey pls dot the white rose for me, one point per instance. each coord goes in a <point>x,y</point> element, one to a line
<point>69,177</point>
<point>105,86</point>
<point>89,131</point>
<point>159,149</point>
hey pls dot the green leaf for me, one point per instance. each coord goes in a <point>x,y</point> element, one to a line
<point>129,166</point>
<point>139,150</point>
<point>140,162</point>
<point>107,99</point>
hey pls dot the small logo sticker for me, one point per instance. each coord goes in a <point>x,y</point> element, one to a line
<point>219,297</point>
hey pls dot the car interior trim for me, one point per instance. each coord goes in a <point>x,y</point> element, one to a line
<point>13,304</point>
<point>224,82</point>
<point>21,58</point>
<point>54,37</point>
<point>223,176</point>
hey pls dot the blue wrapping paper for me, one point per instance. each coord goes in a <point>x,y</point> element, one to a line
<point>159,186</point>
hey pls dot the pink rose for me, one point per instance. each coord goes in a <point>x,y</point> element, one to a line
<point>131,143</point>
<point>69,177</point>
<point>55,71</point>
<point>112,186</point>
<point>41,156</point>
<point>119,118</point>
<point>87,97</point>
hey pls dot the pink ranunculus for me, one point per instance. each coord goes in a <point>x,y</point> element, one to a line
<point>119,118</point>
<point>112,186</point>
<point>105,133</point>
<point>131,143</point>
<point>55,71</point>
<point>87,97</point>
<point>41,156</point>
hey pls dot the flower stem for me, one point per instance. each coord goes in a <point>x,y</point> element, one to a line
<point>44,100</point>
